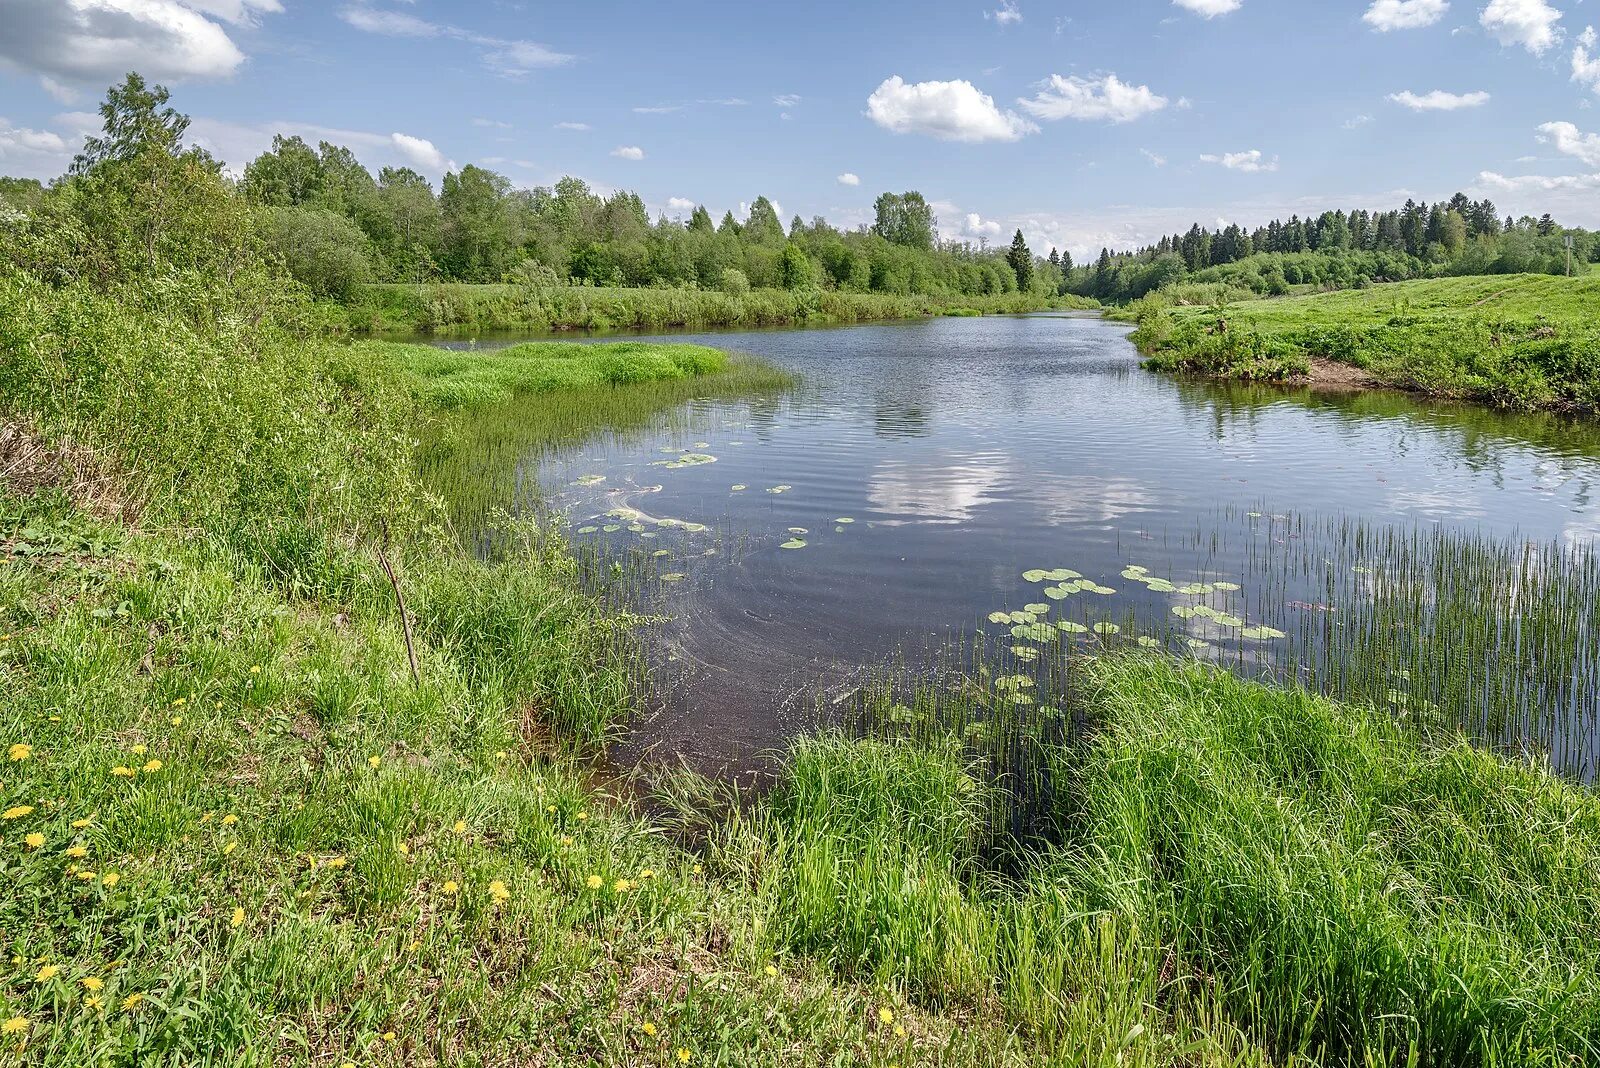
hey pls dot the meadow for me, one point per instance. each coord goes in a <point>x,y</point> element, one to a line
<point>1519,341</point>
<point>455,308</point>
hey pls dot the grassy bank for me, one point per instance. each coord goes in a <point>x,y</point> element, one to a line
<point>1518,341</point>
<point>467,309</point>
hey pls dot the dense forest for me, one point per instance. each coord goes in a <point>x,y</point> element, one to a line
<point>1340,250</point>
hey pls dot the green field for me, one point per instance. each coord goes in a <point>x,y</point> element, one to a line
<point>1515,341</point>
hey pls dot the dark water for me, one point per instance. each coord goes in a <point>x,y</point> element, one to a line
<point>966,452</point>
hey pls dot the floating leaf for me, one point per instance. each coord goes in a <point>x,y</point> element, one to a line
<point>844,520</point>
<point>740,488</point>
<point>636,528</point>
<point>1022,617</point>
<point>1104,591</point>
<point>1066,626</point>
<point>672,576</point>
<point>1037,609</point>
<point>696,528</point>
<point>780,489</point>
<point>798,530</point>
<point>1161,586</point>
<point>1059,593</point>
<point>1138,569</point>
<point>1195,589</point>
<point>1034,632</point>
<point>661,552</point>
<point>588,480</point>
<point>1107,628</point>
<point>1197,643</point>
<point>1147,642</point>
<point>1026,653</point>
<point>1227,621</point>
<point>794,543</point>
<point>611,528</point>
<point>587,530</point>
<point>1036,574</point>
<point>1229,586</point>
<point>999,617</point>
<point>1263,632</point>
<point>701,445</point>
<point>1012,682</point>
<point>688,459</point>
<point>1061,574</point>
<point>1185,612</point>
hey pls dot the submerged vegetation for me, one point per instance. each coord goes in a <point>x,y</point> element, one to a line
<point>1526,341</point>
<point>291,777</point>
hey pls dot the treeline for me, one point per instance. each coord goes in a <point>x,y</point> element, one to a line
<point>338,226</point>
<point>1341,250</point>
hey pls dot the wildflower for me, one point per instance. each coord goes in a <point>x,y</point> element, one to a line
<point>92,1003</point>
<point>885,1016</point>
<point>621,886</point>
<point>450,886</point>
<point>91,984</point>
<point>772,972</point>
<point>648,873</point>
<point>389,1036</point>
<point>123,773</point>
<point>152,765</point>
<point>498,891</point>
<point>347,1064</point>
<point>460,827</point>
<point>79,825</point>
<point>16,813</point>
<point>648,1028</point>
<point>583,815</point>
<point>88,876</point>
<point>180,701</point>
<point>110,879</point>
<point>335,862</point>
<point>237,920</point>
<point>229,848</point>
<point>549,808</point>
<point>595,882</point>
<point>34,840</point>
<point>131,1000</point>
<point>47,973</point>
<point>566,839</point>
<point>15,1025</point>
<point>500,754</point>
<point>255,669</point>
<point>77,852</point>
<point>374,760</point>
<point>176,721</point>
<point>229,820</point>
<point>697,869</point>
<point>899,1031</point>
<point>684,1055</point>
<point>405,850</point>
<point>20,751</point>
<point>138,750</point>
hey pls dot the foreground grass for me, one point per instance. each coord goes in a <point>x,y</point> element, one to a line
<point>458,308</point>
<point>1515,341</point>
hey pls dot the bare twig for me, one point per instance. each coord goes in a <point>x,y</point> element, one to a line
<point>400,601</point>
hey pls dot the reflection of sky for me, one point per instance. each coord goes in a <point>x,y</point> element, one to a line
<point>950,492</point>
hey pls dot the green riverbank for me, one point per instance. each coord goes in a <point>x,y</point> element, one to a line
<point>468,309</point>
<point>1529,342</point>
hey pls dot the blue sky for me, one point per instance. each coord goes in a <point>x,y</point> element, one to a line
<point>1082,123</point>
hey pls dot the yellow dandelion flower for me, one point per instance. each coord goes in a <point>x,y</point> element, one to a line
<point>549,808</point>
<point>47,973</point>
<point>772,972</point>
<point>899,1031</point>
<point>176,721</point>
<point>20,751</point>
<point>697,869</point>
<point>34,840</point>
<point>229,848</point>
<point>91,984</point>
<point>131,1000</point>
<point>180,701</point>
<point>621,886</point>
<point>648,873</point>
<point>414,945</point>
<point>79,825</point>
<point>92,1003</point>
<point>138,750</point>
<point>229,820</point>
<point>152,765</point>
<point>123,773</point>
<point>348,1064</point>
<point>684,1056</point>
<point>583,815</point>
<point>389,1036</point>
<point>16,813</point>
<point>648,1028</point>
<point>885,1016</point>
<point>405,850</point>
<point>88,876</point>
<point>77,852</point>
<point>111,878</point>
<point>595,882</point>
<point>237,920</point>
<point>374,760</point>
<point>255,669</point>
<point>498,891</point>
<point>335,862</point>
<point>460,827</point>
<point>450,886</point>
<point>500,754</point>
<point>14,1026</point>
<point>566,839</point>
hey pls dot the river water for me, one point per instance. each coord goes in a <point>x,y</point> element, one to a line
<point>903,492</point>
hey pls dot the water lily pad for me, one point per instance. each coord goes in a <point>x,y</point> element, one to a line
<point>1227,621</point>
<point>1034,574</point>
<point>1018,698</point>
<point>587,530</point>
<point>1147,642</point>
<point>740,488</point>
<point>1184,611</point>
<point>844,520</point>
<point>1195,589</point>
<point>661,552</point>
<point>588,480</point>
<point>1059,593</point>
<point>1026,653</point>
<point>1205,611</point>
<point>1013,682</point>
<point>779,489</point>
<point>794,543</point>
<point>1022,617</point>
<point>1262,632</point>
<point>1067,626</point>
<point>1034,632</point>
<point>999,617</point>
<point>1138,569</point>
<point>688,459</point>
<point>611,528</point>
<point>1037,609</point>
<point>701,445</point>
<point>1061,574</point>
<point>696,528</point>
<point>672,576</point>
<point>1229,586</point>
<point>636,528</point>
<point>1107,628</point>
<point>798,530</point>
<point>1104,591</point>
<point>1160,586</point>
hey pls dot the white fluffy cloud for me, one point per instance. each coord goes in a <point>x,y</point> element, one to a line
<point>92,42</point>
<point>1529,23</point>
<point>1570,141</point>
<point>1006,14</point>
<point>633,152</point>
<point>1439,100</point>
<point>577,126</point>
<point>29,153</point>
<point>1155,158</point>
<point>680,204</point>
<point>949,111</point>
<point>1387,15</point>
<point>848,178</point>
<point>1093,99</point>
<point>420,152</point>
<point>1210,8</point>
<point>504,56</point>
<point>1251,162</point>
<point>1585,62</point>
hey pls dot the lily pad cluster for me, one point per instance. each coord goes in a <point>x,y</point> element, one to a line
<point>688,459</point>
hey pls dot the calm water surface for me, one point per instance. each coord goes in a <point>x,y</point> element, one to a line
<point>965,452</point>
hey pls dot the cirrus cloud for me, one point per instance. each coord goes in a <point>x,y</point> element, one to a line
<point>1439,100</point>
<point>950,111</point>
<point>511,58</point>
<point>1092,100</point>
<point>1386,16</point>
